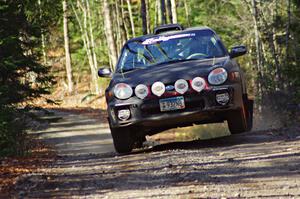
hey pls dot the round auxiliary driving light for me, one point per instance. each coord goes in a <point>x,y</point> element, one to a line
<point>158,88</point>
<point>141,91</point>
<point>198,84</point>
<point>124,114</point>
<point>181,86</point>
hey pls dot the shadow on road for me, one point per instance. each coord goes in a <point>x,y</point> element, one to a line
<point>266,161</point>
<point>231,161</point>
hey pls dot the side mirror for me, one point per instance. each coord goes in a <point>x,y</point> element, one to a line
<point>104,72</point>
<point>237,51</point>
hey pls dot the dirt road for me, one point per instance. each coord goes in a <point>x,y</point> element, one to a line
<point>251,165</point>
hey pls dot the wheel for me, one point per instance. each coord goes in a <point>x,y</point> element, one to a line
<point>241,120</point>
<point>122,139</point>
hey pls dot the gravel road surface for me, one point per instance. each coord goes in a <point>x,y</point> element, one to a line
<point>260,164</point>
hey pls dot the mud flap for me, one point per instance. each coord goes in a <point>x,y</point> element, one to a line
<point>242,120</point>
<point>248,103</point>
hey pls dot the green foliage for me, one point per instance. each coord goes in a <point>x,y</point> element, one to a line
<point>21,76</point>
<point>232,20</point>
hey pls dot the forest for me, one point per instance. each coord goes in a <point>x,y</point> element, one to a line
<point>51,50</point>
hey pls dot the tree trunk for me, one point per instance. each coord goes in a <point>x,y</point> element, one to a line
<point>273,46</point>
<point>83,26</point>
<point>93,52</point>
<point>169,11</point>
<point>258,47</point>
<point>131,17</point>
<point>67,48</point>
<point>174,11</point>
<point>148,16</point>
<point>256,31</point>
<point>187,12</point>
<point>109,34</point>
<point>274,51</point>
<point>157,12</point>
<point>144,17</point>
<point>123,19</point>
<point>122,31</point>
<point>88,46</point>
<point>288,24</point>
<point>42,36</point>
<point>117,26</point>
<point>163,12</point>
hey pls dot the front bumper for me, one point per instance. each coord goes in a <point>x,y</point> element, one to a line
<point>199,108</point>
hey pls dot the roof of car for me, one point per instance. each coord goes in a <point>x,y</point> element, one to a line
<point>144,37</point>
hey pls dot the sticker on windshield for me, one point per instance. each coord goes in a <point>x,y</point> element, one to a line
<point>166,38</point>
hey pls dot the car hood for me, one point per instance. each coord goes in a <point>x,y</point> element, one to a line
<point>170,72</point>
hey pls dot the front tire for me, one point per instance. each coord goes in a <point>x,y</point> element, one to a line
<point>122,139</point>
<point>241,120</point>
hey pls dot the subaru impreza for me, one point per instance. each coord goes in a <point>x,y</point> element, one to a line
<point>175,77</point>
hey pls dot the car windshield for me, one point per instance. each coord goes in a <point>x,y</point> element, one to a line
<point>202,44</point>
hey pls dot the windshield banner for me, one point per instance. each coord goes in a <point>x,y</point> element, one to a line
<point>166,38</point>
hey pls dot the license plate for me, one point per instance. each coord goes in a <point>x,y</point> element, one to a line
<point>171,104</point>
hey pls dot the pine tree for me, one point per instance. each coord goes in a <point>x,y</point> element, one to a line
<point>21,76</point>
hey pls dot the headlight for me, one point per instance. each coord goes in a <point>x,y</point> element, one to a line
<point>158,88</point>
<point>181,86</point>
<point>122,91</point>
<point>141,91</point>
<point>217,76</point>
<point>198,84</point>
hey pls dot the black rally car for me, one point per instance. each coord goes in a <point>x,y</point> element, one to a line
<point>172,78</point>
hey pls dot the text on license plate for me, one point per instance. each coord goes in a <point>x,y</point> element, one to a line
<point>170,104</point>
